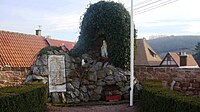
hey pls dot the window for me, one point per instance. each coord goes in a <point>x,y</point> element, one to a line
<point>169,61</point>
<point>152,53</point>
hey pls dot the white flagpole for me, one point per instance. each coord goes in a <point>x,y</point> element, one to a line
<point>132,56</point>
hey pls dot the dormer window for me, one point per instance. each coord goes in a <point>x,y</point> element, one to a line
<point>152,53</point>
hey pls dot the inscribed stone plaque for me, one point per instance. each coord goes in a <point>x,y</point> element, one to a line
<point>57,79</point>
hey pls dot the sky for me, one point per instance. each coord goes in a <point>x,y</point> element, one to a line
<point>60,19</point>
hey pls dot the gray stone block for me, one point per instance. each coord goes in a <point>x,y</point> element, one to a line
<point>101,74</point>
<point>38,62</point>
<point>55,98</point>
<point>98,66</point>
<point>98,90</point>
<point>56,52</point>
<point>92,76</point>
<point>83,89</point>
<point>43,59</point>
<point>70,87</point>
<point>36,70</point>
<point>76,83</point>
<point>67,65</point>
<point>76,92</point>
<point>84,97</point>
<point>100,83</point>
<point>111,82</point>
<point>109,78</point>
<point>67,58</point>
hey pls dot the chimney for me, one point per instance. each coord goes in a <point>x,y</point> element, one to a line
<point>39,31</point>
<point>183,58</point>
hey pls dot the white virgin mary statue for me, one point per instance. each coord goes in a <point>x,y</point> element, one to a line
<point>104,52</point>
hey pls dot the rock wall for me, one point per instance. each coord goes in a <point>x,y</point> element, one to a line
<point>187,80</point>
<point>90,81</point>
<point>12,77</point>
<point>39,70</point>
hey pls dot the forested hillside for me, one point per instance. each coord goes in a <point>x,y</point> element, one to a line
<point>174,43</point>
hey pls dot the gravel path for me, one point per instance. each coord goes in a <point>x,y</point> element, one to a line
<point>97,108</point>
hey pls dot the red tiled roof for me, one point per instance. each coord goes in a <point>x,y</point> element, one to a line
<point>54,42</point>
<point>19,50</point>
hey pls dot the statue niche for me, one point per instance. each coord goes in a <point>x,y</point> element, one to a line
<point>99,48</point>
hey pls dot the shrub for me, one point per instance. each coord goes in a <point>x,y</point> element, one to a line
<point>155,98</point>
<point>28,98</point>
<point>108,21</point>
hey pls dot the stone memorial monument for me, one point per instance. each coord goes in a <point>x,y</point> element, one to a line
<point>57,79</point>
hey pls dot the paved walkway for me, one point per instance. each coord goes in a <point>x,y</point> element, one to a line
<point>97,108</point>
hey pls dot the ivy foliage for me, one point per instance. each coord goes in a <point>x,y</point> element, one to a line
<point>110,21</point>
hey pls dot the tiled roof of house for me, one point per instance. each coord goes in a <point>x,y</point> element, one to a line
<point>19,50</point>
<point>176,57</point>
<point>53,42</point>
<point>145,55</point>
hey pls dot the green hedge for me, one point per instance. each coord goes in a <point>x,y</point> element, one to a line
<point>155,98</point>
<point>28,98</point>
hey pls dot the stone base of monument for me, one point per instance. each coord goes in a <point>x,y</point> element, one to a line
<point>55,98</point>
<point>58,97</point>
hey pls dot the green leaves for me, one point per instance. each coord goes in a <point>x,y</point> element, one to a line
<point>197,51</point>
<point>111,20</point>
<point>155,98</point>
<point>28,98</point>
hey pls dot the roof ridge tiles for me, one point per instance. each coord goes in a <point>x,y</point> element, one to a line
<point>59,40</point>
<point>19,33</point>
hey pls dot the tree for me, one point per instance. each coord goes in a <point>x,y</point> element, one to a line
<point>108,21</point>
<point>197,51</point>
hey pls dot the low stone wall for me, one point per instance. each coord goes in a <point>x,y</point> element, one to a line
<point>12,78</point>
<point>187,80</point>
